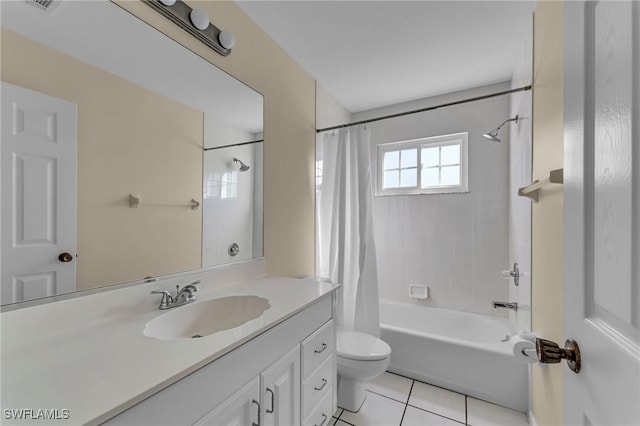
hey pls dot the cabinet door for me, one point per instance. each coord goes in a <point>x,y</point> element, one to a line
<point>281,391</point>
<point>240,409</point>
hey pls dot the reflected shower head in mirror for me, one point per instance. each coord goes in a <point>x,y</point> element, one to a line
<point>493,135</point>
<point>243,167</point>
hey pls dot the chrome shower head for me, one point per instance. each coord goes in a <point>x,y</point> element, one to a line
<point>243,167</point>
<point>493,135</point>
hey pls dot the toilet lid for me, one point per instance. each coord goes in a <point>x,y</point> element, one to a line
<point>360,346</point>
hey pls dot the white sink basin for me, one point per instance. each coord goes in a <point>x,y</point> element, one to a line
<point>200,319</point>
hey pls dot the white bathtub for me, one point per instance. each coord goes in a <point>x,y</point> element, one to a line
<point>455,350</point>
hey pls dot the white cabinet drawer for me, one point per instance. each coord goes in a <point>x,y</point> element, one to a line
<point>321,415</point>
<point>316,348</point>
<point>317,385</point>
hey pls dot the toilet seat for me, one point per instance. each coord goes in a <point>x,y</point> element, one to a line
<point>355,345</point>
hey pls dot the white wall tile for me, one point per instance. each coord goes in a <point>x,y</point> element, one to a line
<point>452,243</point>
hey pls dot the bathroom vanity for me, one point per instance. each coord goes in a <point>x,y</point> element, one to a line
<point>95,362</point>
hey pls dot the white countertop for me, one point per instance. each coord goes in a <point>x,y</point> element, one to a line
<point>89,356</point>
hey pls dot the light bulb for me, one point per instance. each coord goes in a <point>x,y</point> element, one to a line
<point>199,19</point>
<point>226,39</point>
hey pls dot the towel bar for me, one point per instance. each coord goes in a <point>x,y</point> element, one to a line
<point>532,191</point>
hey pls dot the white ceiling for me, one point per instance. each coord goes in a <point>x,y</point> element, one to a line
<point>369,54</point>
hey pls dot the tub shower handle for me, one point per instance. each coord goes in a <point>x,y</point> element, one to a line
<point>324,383</point>
<point>550,353</point>
<point>324,346</point>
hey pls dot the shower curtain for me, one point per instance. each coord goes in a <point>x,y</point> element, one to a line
<point>346,251</point>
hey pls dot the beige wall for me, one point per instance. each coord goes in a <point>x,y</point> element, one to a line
<point>289,128</point>
<point>547,228</point>
<point>130,140</point>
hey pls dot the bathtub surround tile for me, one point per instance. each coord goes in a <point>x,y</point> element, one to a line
<point>411,241</point>
<point>482,413</point>
<point>380,206</point>
<point>392,386</point>
<point>393,288</point>
<point>377,410</point>
<point>396,206</point>
<point>381,224</point>
<point>396,243</point>
<point>453,230</point>
<point>412,210</point>
<point>417,417</point>
<point>428,213</point>
<point>438,400</point>
<point>412,269</point>
<point>396,263</point>
<point>381,253</point>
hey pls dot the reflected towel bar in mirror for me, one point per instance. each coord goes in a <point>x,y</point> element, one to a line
<point>135,201</point>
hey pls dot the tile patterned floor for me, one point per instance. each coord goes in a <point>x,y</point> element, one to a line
<point>394,400</point>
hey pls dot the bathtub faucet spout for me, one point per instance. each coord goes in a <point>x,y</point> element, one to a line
<point>508,305</point>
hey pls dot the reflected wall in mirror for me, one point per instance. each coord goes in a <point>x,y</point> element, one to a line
<point>232,204</point>
<point>129,104</point>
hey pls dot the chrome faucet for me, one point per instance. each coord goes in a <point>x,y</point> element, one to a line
<point>183,296</point>
<point>508,305</point>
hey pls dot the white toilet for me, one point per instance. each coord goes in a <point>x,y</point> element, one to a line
<point>360,357</point>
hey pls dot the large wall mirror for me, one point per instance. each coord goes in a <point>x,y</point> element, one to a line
<point>124,154</point>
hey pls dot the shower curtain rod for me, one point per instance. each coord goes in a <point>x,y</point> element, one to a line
<point>415,111</point>
<point>234,144</point>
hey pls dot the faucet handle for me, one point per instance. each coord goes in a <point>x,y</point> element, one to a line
<point>192,287</point>
<point>166,298</point>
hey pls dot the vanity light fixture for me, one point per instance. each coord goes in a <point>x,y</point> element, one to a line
<point>199,19</point>
<point>195,22</point>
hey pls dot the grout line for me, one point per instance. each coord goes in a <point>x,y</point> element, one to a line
<point>413,382</point>
<point>441,387</point>
<point>437,414</point>
<point>466,410</point>
<point>345,422</point>
<point>407,403</point>
<point>388,397</point>
<point>399,375</point>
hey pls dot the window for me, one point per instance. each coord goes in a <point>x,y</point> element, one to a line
<point>423,166</point>
<point>221,185</point>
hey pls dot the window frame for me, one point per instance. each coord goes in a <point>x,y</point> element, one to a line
<point>461,138</point>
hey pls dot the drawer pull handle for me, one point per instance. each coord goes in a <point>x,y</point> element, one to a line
<point>258,404</point>
<point>272,407</point>
<point>324,383</point>
<point>324,347</point>
<point>324,419</point>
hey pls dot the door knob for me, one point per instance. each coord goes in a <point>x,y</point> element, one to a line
<point>65,257</point>
<point>550,353</point>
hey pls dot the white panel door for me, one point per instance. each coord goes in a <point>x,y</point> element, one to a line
<point>602,210</point>
<point>281,391</point>
<point>38,215</point>
<point>240,409</point>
